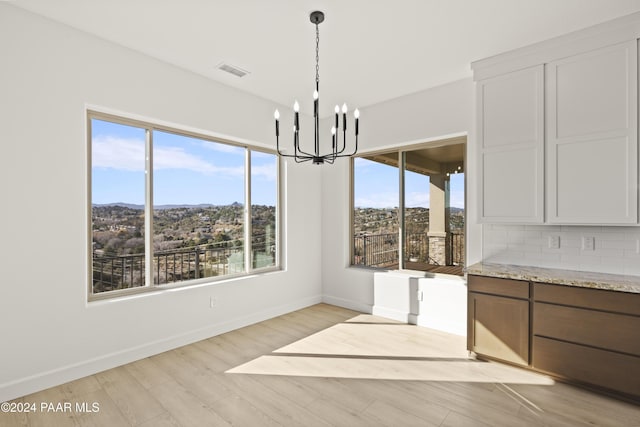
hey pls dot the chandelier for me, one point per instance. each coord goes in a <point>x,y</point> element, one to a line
<point>337,149</point>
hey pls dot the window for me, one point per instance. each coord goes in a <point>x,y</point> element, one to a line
<point>264,194</point>
<point>375,229</point>
<point>171,207</point>
<point>408,209</point>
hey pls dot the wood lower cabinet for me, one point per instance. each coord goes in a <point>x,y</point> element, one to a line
<point>611,370</point>
<point>587,336</point>
<point>498,316</point>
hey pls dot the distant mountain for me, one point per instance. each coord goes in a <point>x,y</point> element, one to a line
<point>202,205</point>
<point>119,204</point>
<point>161,207</point>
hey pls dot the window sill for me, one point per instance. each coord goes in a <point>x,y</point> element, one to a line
<point>134,293</point>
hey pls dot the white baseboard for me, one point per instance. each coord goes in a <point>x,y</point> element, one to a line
<point>443,326</point>
<point>41,381</point>
<point>345,303</point>
<point>389,313</point>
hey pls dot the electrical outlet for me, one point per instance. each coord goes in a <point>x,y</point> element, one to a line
<point>213,301</point>
<point>588,243</point>
<point>554,242</point>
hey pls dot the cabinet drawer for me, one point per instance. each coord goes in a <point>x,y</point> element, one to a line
<point>620,302</point>
<point>603,368</point>
<point>496,286</point>
<point>618,332</point>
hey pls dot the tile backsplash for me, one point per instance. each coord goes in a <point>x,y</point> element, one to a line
<point>615,249</point>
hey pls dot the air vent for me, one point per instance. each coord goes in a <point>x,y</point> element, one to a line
<point>232,69</point>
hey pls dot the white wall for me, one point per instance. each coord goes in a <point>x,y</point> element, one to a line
<point>428,115</point>
<point>50,334</point>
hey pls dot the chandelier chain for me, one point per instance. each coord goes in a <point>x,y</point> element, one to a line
<point>317,55</point>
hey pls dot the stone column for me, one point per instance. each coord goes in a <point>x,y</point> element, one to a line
<point>437,219</point>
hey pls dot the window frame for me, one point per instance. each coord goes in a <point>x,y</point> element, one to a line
<point>400,151</point>
<point>149,127</point>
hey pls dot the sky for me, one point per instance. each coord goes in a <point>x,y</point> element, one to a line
<point>191,171</point>
<point>376,186</point>
<point>187,171</point>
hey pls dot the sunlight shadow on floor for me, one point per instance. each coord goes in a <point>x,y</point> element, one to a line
<point>370,347</point>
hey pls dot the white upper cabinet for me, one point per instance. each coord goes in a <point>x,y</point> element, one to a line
<point>557,129</point>
<point>592,144</point>
<point>510,118</point>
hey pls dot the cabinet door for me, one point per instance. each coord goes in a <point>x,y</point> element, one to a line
<point>499,327</point>
<point>592,156</point>
<point>510,119</point>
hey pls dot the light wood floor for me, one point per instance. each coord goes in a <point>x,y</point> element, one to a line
<point>324,366</point>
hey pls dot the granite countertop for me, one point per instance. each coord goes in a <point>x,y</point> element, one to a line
<point>583,279</point>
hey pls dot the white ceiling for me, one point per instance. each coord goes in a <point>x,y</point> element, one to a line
<point>370,50</point>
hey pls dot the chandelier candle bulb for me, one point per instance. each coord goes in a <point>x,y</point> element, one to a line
<point>296,121</point>
<point>356,114</point>
<point>333,138</point>
<point>315,103</point>
<point>276,115</point>
<point>344,117</point>
<point>337,113</point>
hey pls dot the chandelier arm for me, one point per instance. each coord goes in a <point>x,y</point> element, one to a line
<point>278,147</point>
<point>344,140</point>
<point>280,153</point>
<point>288,155</point>
<point>296,146</point>
<point>355,149</point>
<point>344,137</point>
<point>303,159</point>
<point>344,144</point>
<point>299,155</point>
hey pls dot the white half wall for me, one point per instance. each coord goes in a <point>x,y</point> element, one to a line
<point>51,335</point>
<point>432,114</point>
<point>443,304</point>
<point>437,302</point>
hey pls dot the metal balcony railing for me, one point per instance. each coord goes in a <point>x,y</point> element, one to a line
<point>381,250</point>
<point>128,271</point>
<point>456,247</point>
